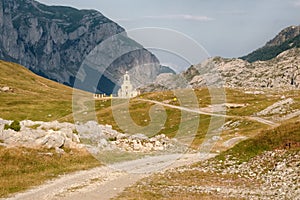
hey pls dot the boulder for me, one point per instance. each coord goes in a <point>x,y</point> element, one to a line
<point>54,139</point>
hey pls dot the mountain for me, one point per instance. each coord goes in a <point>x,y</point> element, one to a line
<point>276,65</point>
<point>54,41</point>
<point>286,39</point>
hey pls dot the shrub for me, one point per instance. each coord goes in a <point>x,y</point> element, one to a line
<point>6,127</point>
<point>15,125</point>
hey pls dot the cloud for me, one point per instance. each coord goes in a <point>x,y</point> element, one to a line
<point>181,17</point>
<point>187,17</point>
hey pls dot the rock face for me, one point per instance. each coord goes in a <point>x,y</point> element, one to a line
<point>285,35</point>
<point>285,40</point>
<point>53,41</point>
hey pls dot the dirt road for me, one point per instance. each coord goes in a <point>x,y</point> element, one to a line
<point>107,181</point>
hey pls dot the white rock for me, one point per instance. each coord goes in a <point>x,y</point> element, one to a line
<point>5,89</point>
<point>53,139</point>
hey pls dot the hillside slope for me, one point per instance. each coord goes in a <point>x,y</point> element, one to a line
<point>24,95</point>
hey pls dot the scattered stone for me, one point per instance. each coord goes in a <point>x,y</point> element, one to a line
<point>59,151</point>
<point>277,172</point>
<point>6,89</point>
<point>234,105</point>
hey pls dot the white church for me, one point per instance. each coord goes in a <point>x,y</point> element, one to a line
<point>126,90</point>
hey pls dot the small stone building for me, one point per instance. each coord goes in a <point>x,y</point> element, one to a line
<point>126,90</point>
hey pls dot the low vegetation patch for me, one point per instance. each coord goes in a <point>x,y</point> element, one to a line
<point>15,125</point>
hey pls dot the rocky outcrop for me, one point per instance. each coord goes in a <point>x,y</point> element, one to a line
<point>93,136</point>
<point>280,107</point>
<point>98,138</point>
<point>53,41</point>
<point>50,135</point>
<point>281,72</point>
<point>165,82</point>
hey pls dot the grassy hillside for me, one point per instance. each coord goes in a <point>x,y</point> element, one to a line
<point>35,98</point>
<point>32,97</point>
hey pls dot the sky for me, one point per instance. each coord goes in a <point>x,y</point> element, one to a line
<point>227,28</point>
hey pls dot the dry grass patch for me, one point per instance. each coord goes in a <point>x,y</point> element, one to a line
<point>23,168</point>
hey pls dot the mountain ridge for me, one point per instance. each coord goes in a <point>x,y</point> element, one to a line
<point>281,72</point>
<point>53,41</point>
<point>278,68</point>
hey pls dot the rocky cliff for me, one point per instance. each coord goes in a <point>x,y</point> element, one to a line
<point>53,41</point>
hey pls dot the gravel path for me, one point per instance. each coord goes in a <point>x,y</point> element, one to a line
<point>233,141</point>
<point>203,112</point>
<point>107,181</point>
